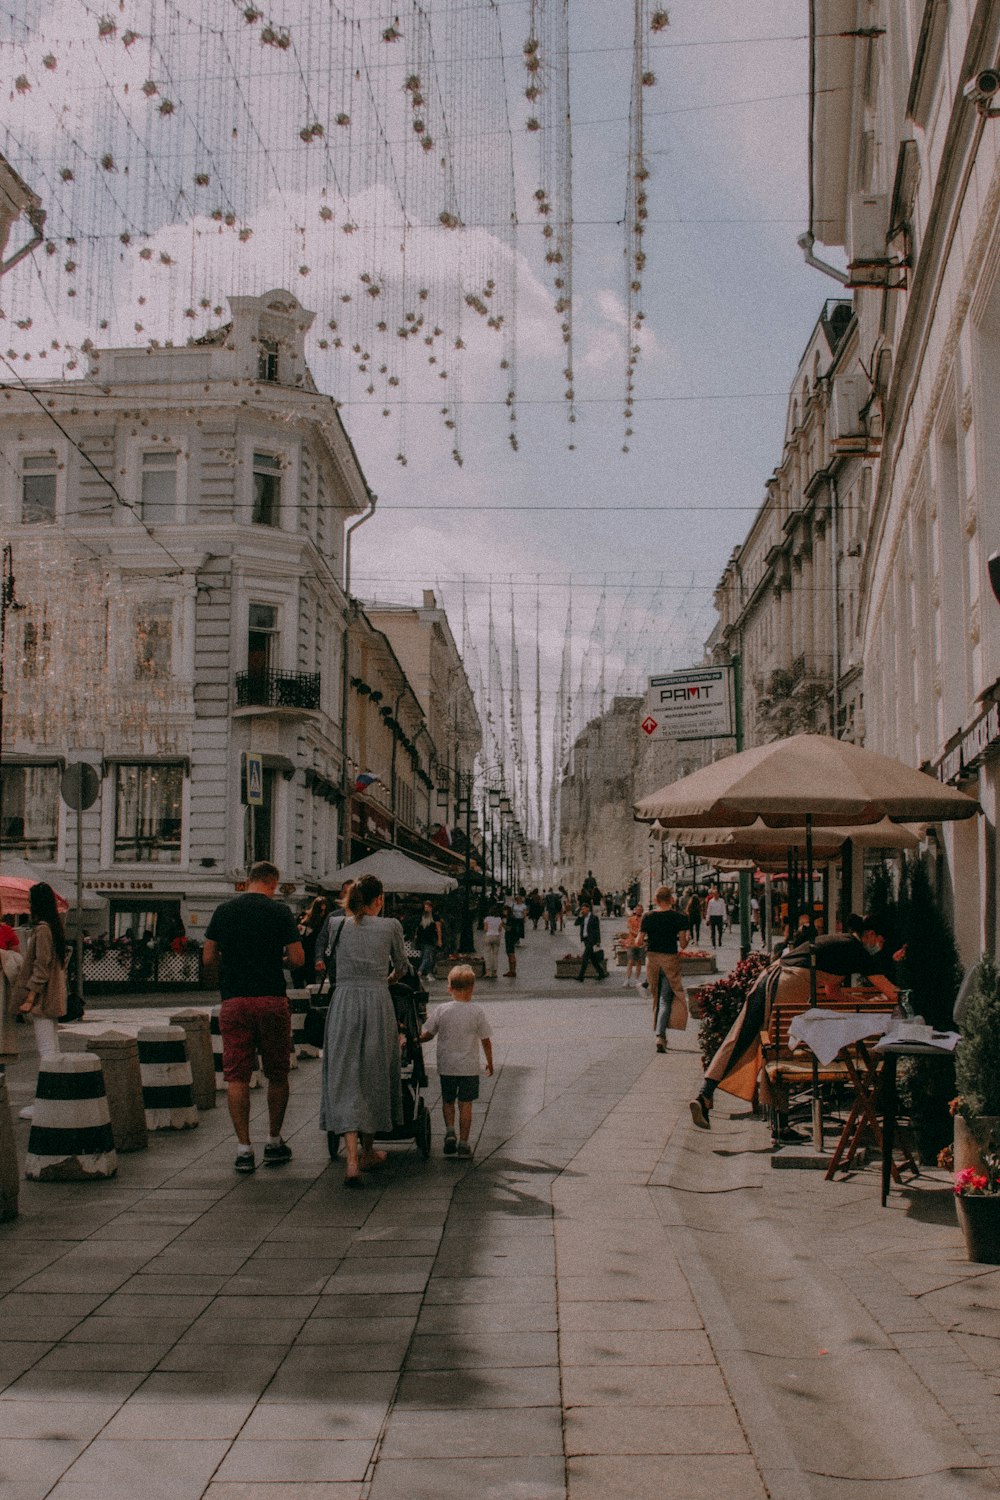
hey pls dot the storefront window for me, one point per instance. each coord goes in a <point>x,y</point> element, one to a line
<point>148,814</point>
<point>29,811</point>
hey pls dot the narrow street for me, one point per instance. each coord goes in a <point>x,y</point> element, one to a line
<point>603,1303</point>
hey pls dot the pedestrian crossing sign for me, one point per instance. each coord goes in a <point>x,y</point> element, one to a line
<point>253,779</point>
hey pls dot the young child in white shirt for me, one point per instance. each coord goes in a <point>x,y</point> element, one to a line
<point>460,1027</point>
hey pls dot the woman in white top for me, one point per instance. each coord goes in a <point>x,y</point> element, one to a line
<point>716,913</point>
<point>492,930</point>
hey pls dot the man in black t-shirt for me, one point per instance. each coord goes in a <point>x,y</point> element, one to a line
<point>666,931</point>
<point>252,937</point>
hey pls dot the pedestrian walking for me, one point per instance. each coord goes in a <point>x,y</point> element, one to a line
<point>666,933</point>
<point>39,988</point>
<point>310,924</point>
<point>634,947</point>
<point>590,935</point>
<point>461,1029</point>
<point>510,931</point>
<point>553,909</point>
<point>693,911</point>
<point>492,933</point>
<point>11,960</point>
<point>519,911</point>
<point>362,1093</point>
<point>717,914</point>
<point>328,932</point>
<point>251,937</point>
<point>427,936</point>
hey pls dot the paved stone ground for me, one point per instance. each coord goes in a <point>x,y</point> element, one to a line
<point>605,1303</point>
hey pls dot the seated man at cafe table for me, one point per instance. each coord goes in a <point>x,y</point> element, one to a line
<point>736,1067</point>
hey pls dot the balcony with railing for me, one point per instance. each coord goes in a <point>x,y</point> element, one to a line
<point>288,693</point>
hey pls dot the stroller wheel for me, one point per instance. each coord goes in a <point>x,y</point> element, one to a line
<point>422,1133</point>
<point>333,1143</point>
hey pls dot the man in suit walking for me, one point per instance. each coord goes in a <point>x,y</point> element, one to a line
<point>590,935</point>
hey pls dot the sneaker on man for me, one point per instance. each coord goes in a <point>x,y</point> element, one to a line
<point>245,1161</point>
<point>699,1112</point>
<point>275,1154</point>
<point>464,1149</point>
<point>450,1143</point>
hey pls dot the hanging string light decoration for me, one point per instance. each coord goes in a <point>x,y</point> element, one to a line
<point>189,150</point>
<point>547,95</point>
<point>637,198</point>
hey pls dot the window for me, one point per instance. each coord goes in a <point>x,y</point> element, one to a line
<point>36,648</point>
<point>158,496</point>
<point>267,360</point>
<point>266,489</point>
<point>148,814</point>
<point>29,810</point>
<point>154,630</point>
<point>262,639</point>
<point>38,490</point>
<point>262,819</point>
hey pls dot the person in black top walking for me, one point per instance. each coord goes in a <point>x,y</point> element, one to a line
<point>251,937</point>
<point>666,931</point>
<point>590,935</point>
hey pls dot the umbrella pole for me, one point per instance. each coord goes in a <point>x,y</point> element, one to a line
<point>817,1103</point>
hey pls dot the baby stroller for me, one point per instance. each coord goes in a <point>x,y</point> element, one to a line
<point>416,1122</point>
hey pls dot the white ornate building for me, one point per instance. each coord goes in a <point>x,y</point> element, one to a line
<point>905,186</point>
<point>177,523</point>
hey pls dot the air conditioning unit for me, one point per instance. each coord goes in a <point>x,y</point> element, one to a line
<point>867,228</point>
<point>849,395</point>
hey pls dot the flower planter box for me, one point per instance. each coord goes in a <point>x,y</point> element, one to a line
<point>444,966</point>
<point>698,965</point>
<point>568,968</point>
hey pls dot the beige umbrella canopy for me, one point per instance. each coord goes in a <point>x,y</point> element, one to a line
<point>808,777</point>
<point>759,842</point>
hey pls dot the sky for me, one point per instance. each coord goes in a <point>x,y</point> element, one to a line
<point>631,543</point>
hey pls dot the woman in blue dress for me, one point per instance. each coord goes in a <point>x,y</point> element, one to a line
<point>361,1083</point>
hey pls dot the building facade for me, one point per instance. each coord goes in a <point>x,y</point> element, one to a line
<point>423,642</point>
<point>177,525</point>
<point>905,185</point>
<point>787,599</point>
<point>612,765</point>
<point>391,753</point>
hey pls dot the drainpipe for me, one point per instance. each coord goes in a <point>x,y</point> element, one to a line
<point>345,681</point>
<point>805,243</point>
<point>835,551</point>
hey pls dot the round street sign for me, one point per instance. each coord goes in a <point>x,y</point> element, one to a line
<point>79,786</point>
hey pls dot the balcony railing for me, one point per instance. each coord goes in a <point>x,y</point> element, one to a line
<point>277,690</point>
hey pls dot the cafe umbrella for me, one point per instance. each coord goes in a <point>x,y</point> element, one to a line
<point>807,781</point>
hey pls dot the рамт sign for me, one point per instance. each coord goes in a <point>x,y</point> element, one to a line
<point>696,704</point>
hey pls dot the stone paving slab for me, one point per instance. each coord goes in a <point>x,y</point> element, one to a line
<point>603,1301</point>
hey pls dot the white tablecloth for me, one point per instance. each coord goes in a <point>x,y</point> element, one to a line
<point>825,1032</point>
<point>940,1041</point>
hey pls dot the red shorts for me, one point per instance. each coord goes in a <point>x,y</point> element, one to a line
<point>252,1024</point>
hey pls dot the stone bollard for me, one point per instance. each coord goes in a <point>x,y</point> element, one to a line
<point>167,1094</point>
<point>119,1056</point>
<point>216,1035</point>
<point>198,1041</point>
<point>9,1184</point>
<point>71,1138</point>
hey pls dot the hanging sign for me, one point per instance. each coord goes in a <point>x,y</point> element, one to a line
<point>253,779</point>
<point>696,704</point>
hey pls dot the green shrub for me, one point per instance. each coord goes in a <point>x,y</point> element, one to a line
<point>722,1002</point>
<point>977,1058</point>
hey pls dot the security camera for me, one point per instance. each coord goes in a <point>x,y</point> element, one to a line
<point>982,88</point>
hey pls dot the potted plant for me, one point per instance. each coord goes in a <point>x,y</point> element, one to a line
<point>977,1204</point>
<point>977,1069</point>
